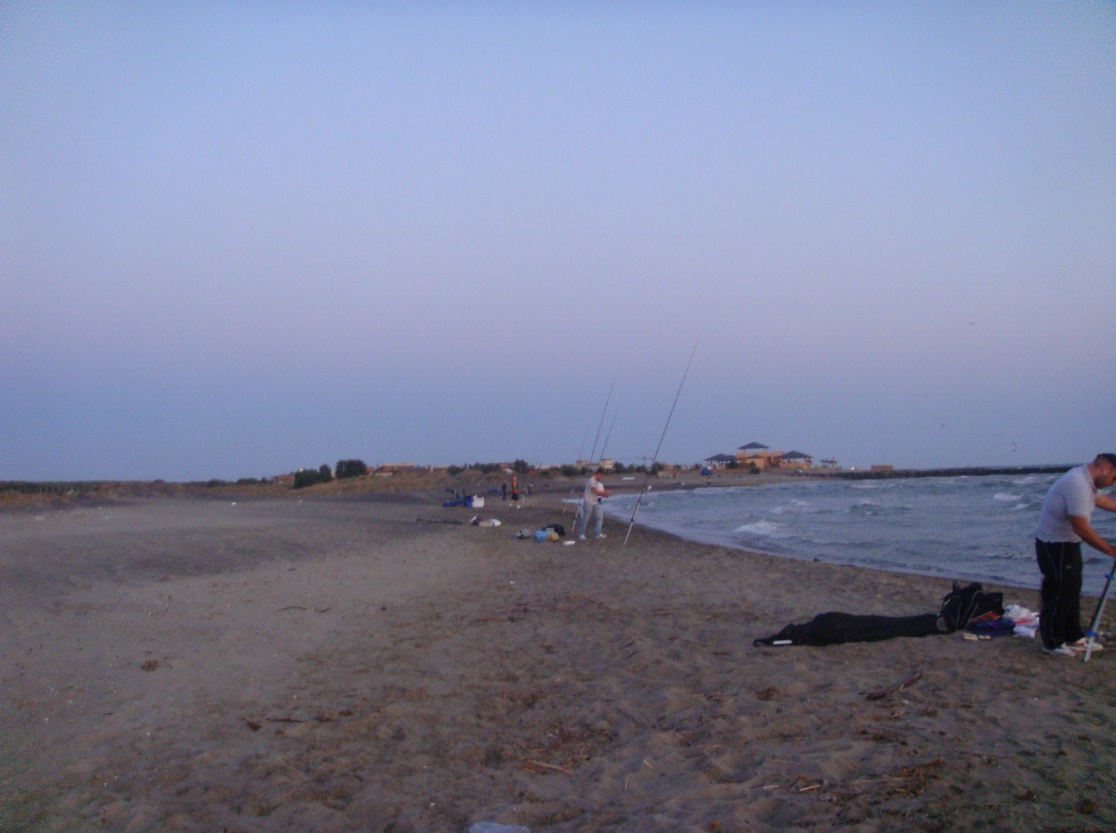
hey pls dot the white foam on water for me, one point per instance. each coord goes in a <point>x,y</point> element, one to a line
<point>764,529</point>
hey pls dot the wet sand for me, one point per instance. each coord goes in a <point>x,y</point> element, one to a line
<point>334,664</point>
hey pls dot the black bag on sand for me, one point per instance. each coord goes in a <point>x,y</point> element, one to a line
<point>968,605</point>
<point>836,628</point>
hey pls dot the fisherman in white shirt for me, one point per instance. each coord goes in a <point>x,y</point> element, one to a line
<point>595,492</point>
<point>1063,524</point>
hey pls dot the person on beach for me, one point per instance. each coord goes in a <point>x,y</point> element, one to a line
<point>595,492</point>
<point>515,492</point>
<point>1063,524</point>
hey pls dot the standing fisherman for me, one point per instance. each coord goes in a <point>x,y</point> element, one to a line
<point>595,492</point>
<point>1063,525</point>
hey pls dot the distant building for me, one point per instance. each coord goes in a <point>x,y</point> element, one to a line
<point>797,460</point>
<point>759,456</point>
<point>718,461</point>
<point>388,469</point>
<point>883,468</point>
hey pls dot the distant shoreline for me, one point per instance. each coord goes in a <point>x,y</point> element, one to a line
<point>21,493</point>
<point>968,471</point>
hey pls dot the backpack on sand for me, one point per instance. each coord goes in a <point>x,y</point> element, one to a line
<point>969,605</point>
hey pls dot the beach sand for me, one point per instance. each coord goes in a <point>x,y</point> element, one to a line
<point>338,664</point>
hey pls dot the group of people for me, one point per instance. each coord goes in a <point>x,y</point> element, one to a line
<point>590,508</point>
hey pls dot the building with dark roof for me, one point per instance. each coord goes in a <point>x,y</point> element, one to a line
<point>759,456</point>
<point>718,461</point>
<point>797,460</point>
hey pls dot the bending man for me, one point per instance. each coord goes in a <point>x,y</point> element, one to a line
<point>1063,524</point>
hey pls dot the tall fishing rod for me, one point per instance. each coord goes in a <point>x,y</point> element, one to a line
<point>594,467</point>
<point>604,413</point>
<point>655,459</point>
<point>580,450</point>
<point>611,425</point>
<point>593,451</point>
<point>532,465</point>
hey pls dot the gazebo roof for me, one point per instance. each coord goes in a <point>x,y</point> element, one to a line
<point>754,447</point>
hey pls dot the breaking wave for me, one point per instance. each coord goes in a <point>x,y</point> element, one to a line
<point>764,529</point>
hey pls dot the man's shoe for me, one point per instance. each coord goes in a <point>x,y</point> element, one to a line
<point>581,537</point>
<point>1083,643</point>
<point>602,535</point>
<point>1061,650</point>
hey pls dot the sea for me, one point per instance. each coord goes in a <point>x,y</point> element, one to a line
<point>968,528</point>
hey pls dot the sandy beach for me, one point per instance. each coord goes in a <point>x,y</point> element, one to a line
<point>372,662</point>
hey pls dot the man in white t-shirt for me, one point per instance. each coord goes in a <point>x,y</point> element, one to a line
<point>1063,524</point>
<point>594,493</point>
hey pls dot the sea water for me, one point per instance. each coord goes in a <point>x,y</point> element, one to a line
<point>974,528</point>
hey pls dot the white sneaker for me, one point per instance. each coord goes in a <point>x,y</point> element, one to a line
<point>581,537</point>
<point>1083,644</point>
<point>1061,650</point>
<point>602,535</point>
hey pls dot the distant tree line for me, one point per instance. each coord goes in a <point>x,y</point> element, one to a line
<point>49,488</point>
<point>311,477</point>
<point>483,468</point>
<point>523,467</point>
<point>323,474</point>
<point>351,468</point>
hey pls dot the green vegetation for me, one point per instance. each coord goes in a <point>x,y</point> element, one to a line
<point>309,477</point>
<point>351,468</point>
<point>47,488</point>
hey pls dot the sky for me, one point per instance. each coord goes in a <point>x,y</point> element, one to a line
<point>237,239</point>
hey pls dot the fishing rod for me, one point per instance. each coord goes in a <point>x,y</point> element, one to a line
<point>592,467</point>
<point>604,413</point>
<point>533,465</point>
<point>608,435</point>
<point>536,454</point>
<point>655,459</point>
<point>584,440</point>
<point>600,425</point>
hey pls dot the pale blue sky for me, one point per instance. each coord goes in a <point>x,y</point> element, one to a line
<point>236,241</point>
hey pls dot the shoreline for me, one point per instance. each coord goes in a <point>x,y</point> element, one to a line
<point>182,664</point>
<point>558,489</point>
<point>16,495</point>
